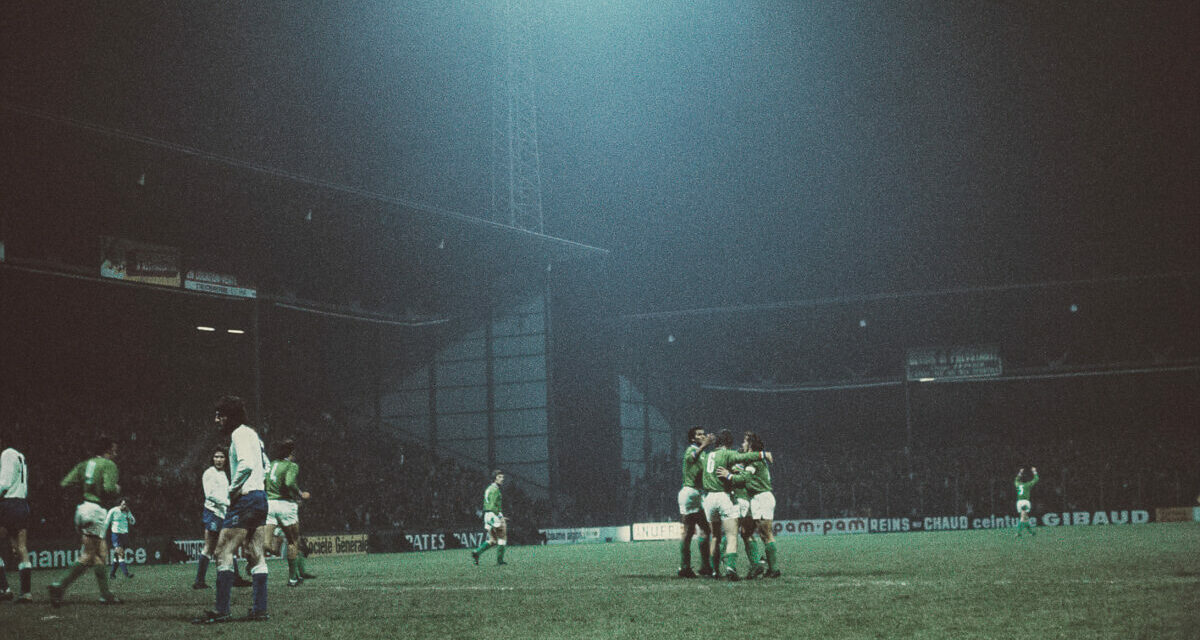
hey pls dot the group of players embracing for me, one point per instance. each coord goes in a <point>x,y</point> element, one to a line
<point>727,494</point>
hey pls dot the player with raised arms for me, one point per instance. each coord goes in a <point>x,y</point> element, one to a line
<point>1023,503</point>
<point>691,508</point>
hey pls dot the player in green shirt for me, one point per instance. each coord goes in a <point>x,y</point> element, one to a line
<point>1023,503</point>
<point>283,510</point>
<point>718,501</point>
<point>493,520</point>
<point>691,508</point>
<point>756,478</point>
<point>97,477</point>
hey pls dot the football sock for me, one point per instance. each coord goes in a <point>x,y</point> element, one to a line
<point>704,553</point>
<point>293,572</point>
<point>102,581</point>
<point>71,575</point>
<point>500,552</point>
<point>26,570</point>
<point>770,555</point>
<point>752,551</point>
<point>224,589</point>
<point>685,554</point>
<point>125,568</point>
<point>483,547</point>
<point>3,577</point>
<point>259,589</point>
<point>300,565</point>
<point>731,562</point>
<point>202,570</point>
<point>114,571</point>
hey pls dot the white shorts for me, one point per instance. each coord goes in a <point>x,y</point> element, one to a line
<point>743,507</point>
<point>690,501</point>
<point>89,519</point>
<point>719,506</point>
<point>762,506</point>
<point>285,513</point>
<point>1023,505</point>
<point>492,520</point>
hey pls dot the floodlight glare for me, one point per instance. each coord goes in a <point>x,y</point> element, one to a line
<point>204,328</point>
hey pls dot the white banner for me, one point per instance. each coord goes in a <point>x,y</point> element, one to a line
<point>586,535</point>
<point>657,531</point>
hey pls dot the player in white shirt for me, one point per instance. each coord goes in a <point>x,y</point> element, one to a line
<point>247,512</point>
<point>216,501</point>
<point>117,525</point>
<point>14,520</point>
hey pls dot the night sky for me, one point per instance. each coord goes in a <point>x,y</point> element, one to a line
<point>725,153</point>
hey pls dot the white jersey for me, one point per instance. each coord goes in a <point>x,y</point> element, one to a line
<point>216,491</point>
<point>14,482</point>
<point>118,520</point>
<point>247,462</point>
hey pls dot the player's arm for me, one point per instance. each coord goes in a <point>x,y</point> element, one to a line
<point>1035,476</point>
<point>111,487</point>
<point>132,520</point>
<point>751,456</point>
<point>8,470</point>
<point>289,481</point>
<point>74,476</point>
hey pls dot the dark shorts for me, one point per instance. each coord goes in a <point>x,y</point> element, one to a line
<point>14,514</point>
<point>247,512</point>
<point>118,540</point>
<point>212,521</point>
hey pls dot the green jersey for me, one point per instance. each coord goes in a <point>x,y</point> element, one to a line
<point>1024,488</point>
<point>755,477</point>
<point>693,466</point>
<point>723,458</point>
<point>281,481</point>
<point>739,485</point>
<point>491,499</point>
<point>97,476</point>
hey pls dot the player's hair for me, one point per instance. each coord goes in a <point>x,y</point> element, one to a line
<point>220,451</point>
<point>234,408</point>
<point>692,433</point>
<point>102,444</point>
<point>725,438</point>
<point>285,449</point>
<point>756,443</point>
<point>496,472</point>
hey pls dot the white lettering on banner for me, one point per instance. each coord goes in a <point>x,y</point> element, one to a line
<point>470,539</point>
<point>426,541</point>
<point>657,531</point>
<point>62,558</point>
<point>1080,518</point>
<point>885,525</point>
<point>994,522</point>
<point>944,523</point>
<point>820,527</point>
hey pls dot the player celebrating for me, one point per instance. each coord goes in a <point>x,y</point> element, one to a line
<point>756,477</point>
<point>691,512</point>
<point>246,513</point>
<point>14,520</point>
<point>283,509</point>
<point>117,525</point>
<point>97,476</point>
<point>718,501</point>
<point>216,501</point>
<point>1023,504</point>
<point>493,520</point>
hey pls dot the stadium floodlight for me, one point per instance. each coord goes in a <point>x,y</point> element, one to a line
<point>235,331</point>
<point>925,379</point>
<point>204,328</point>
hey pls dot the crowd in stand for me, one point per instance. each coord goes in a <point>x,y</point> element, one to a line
<point>359,482</point>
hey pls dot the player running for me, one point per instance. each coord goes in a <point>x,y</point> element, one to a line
<point>756,477</point>
<point>718,501</point>
<point>117,525</point>
<point>1023,504</point>
<point>691,509</point>
<point>246,513</point>
<point>283,509</point>
<point>14,521</point>
<point>97,477</point>
<point>493,521</point>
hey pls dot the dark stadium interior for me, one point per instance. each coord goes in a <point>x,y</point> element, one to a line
<point>758,263</point>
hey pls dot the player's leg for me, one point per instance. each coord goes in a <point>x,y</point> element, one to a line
<point>501,541</point>
<point>705,536</point>
<point>228,541</point>
<point>89,522</point>
<point>212,527</point>
<point>117,558</point>
<point>20,547</point>
<point>766,531</point>
<point>258,572</point>
<point>490,522</point>
<point>5,592</point>
<point>729,530</point>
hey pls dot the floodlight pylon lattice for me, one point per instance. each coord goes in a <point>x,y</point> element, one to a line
<point>516,164</point>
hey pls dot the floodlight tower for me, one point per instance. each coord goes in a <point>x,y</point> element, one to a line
<point>516,165</point>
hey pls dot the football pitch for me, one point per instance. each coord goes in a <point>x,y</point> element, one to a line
<point>1067,582</point>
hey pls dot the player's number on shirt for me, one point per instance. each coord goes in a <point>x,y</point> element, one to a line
<point>711,465</point>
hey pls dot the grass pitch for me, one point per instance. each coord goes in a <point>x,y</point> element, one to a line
<point>1070,582</point>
